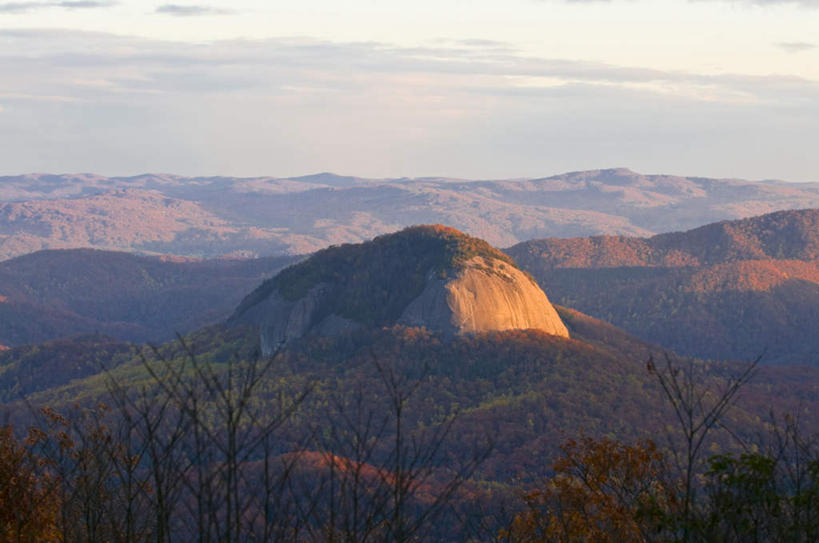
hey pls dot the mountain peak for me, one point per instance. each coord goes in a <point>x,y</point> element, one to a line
<point>430,276</point>
<point>328,178</point>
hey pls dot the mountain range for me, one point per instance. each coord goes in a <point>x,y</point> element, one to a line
<point>734,289</point>
<point>730,290</point>
<point>375,339</point>
<point>572,371</point>
<point>264,216</point>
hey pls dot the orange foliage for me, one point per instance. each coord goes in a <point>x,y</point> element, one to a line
<point>603,491</point>
<point>28,499</point>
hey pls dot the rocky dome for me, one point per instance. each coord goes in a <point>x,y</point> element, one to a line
<point>427,276</point>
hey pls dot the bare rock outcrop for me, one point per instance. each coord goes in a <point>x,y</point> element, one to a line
<point>427,276</point>
<point>485,295</point>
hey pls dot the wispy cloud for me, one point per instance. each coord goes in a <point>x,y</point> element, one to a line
<point>80,4</point>
<point>803,3</point>
<point>122,102</point>
<point>56,60</point>
<point>23,7</point>
<point>189,10</point>
<point>795,46</point>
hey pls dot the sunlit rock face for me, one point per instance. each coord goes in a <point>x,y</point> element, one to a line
<point>428,276</point>
<point>485,295</point>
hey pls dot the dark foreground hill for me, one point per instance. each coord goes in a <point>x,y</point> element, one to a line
<point>527,388</point>
<point>737,289</point>
<point>520,393</point>
<point>52,294</point>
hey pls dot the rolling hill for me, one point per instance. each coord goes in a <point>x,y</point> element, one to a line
<point>729,290</point>
<point>214,216</point>
<point>56,293</point>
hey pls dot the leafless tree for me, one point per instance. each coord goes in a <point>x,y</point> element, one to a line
<point>377,465</point>
<point>699,409</point>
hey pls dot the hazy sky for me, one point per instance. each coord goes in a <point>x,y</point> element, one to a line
<point>466,88</point>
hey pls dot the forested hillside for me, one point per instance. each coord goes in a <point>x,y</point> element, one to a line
<point>52,294</point>
<point>737,289</point>
<point>478,420</point>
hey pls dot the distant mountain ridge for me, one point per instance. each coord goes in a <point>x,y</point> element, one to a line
<point>734,289</point>
<point>260,216</point>
<point>783,235</point>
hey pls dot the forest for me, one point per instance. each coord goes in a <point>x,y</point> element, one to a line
<point>395,435</point>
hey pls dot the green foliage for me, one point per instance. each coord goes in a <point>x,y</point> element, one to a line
<point>32,368</point>
<point>757,496</point>
<point>526,389</point>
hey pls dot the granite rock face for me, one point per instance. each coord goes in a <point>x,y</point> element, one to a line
<point>485,295</point>
<point>280,320</point>
<point>431,277</point>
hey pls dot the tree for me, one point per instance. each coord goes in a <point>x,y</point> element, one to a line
<point>602,491</point>
<point>386,479</point>
<point>191,453</point>
<point>698,408</point>
<point>210,440</point>
<point>768,493</point>
<point>29,502</point>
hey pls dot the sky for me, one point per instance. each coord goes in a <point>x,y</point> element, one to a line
<point>382,88</point>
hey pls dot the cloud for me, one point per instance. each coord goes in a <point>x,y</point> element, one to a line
<point>61,63</point>
<point>121,103</point>
<point>795,46</point>
<point>24,7</point>
<point>179,10</point>
<point>82,4</point>
<point>803,3</point>
<point>20,7</point>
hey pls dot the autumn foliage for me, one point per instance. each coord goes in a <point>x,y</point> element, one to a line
<point>601,491</point>
<point>29,502</point>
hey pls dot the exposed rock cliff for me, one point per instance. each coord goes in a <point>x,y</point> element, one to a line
<point>428,276</point>
<point>484,295</point>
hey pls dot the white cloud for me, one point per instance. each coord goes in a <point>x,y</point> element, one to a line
<point>190,10</point>
<point>115,104</point>
<point>81,65</point>
<point>25,7</point>
<point>795,46</point>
